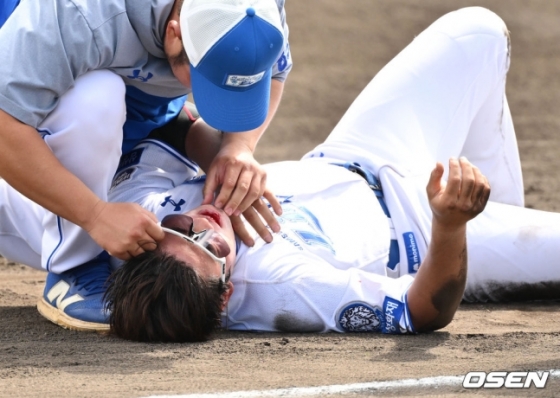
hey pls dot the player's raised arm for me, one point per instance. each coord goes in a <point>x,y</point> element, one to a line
<point>439,285</point>
<point>235,181</point>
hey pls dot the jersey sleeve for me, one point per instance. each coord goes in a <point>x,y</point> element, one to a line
<point>300,294</point>
<point>283,66</point>
<point>44,46</point>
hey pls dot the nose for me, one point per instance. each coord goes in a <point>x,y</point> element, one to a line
<point>201,223</point>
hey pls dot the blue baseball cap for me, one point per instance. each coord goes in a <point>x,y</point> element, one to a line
<point>232,46</point>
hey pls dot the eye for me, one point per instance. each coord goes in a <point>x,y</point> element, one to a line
<point>212,249</point>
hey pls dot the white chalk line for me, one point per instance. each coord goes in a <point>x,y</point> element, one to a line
<point>438,381</point>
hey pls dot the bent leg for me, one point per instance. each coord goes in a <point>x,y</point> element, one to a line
<point>513,255</point>
<point>21,229</point>
<point>85,134</point>
<point>424,105</point>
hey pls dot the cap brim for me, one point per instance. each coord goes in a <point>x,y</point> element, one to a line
<point>231,110</point>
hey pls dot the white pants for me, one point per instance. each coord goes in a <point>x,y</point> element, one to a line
<point>85,134</point>
<point>444,96</point>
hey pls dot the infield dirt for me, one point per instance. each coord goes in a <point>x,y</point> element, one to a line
<point>337,47</point>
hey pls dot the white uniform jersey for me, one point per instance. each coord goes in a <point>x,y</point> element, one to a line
<point>325,270</point>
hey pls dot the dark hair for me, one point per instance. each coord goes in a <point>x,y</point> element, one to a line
<point>155,297</point>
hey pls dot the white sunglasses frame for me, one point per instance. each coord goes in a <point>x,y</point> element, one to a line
<point>220,260</point>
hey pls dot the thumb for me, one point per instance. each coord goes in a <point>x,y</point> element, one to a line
<point>434,184</point>
<point>210,187</point>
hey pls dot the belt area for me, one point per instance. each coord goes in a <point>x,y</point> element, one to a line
<point>375,185</point>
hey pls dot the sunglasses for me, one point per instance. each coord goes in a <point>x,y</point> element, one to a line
<point>201,239</point>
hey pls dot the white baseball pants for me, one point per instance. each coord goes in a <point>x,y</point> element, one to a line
<point>444,96</point>
<point>85,134</point>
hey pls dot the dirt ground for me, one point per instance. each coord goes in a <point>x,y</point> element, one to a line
<point>337,47</point>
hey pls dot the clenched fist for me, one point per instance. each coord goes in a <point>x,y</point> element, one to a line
<point>462,197</point>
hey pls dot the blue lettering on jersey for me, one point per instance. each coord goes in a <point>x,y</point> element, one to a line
<point>130,159</point>
<point>393,311</point>
<point>309,238</point>
<point>360,317</point>
<point>173,203</point>
<point>136,75</point>
<point>412,252</point>
<point>292,241</point>
<point>122,176</point>
<point>196,180</point>
<point>282,62</point>
<point>305,226</point>
<point>284,199</point>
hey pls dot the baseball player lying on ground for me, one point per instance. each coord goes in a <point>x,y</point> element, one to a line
<point>361,251</point>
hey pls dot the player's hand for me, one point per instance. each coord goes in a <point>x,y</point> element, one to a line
<point>462,198</point>
<point>253,216</point>
<point>240,179</point>
<point>124,230</point>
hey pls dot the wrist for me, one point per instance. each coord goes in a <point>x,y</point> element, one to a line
<point>448,229</point>
<point>247,140</point>
<point>90,217</point>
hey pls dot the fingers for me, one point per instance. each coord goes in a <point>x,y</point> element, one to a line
<point>269,219</point>
<point>241,186</point>
<point>242,198</point>
<point>126,230</point>
<point>210,186</point>
<point>462,197</point>
<point>453,187</point>
<point>261,218</point>
<point>481,191</point>
<point>154,231</point>
<point>468,181</point>
<point>240,230</point>
<point>435,184</point>
<point>273,201</point>
<point>253,218</point>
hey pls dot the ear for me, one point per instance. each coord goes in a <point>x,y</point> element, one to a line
<point>227,294</point>
<point>173,40</point>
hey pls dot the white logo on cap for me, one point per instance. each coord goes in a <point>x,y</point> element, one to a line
<point>243,81</point>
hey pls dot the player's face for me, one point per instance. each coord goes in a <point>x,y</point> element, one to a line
<point>221,243</point>
<point>180,66</point>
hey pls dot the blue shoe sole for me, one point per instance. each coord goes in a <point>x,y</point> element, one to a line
<point>59,318</point>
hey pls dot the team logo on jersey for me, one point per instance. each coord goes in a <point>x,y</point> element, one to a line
<point>173,203</point>
<point>412,252</point>
<point>304,226</point>
<point>136,76</point>
<point>361,317</point>
<point>122,176</point>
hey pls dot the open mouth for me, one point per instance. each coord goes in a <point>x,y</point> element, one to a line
<point>214,216</point>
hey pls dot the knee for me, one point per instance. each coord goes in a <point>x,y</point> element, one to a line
<point>481,33</point>
<point>101,96</point>
<point>473,20</point>
<point>97,104</point>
